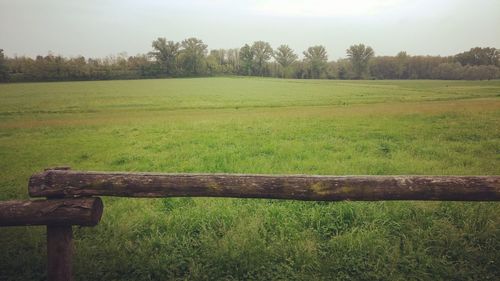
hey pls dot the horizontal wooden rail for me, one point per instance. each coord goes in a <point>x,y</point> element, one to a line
<point>66,183</point>
<point>57,212</point>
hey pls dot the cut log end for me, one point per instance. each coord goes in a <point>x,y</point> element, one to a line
<point>96,212</point>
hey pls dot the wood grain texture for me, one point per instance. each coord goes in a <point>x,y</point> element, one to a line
<point>68,183</point>
<point>78,211</point>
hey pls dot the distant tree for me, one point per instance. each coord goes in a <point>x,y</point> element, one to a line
<point>402,65</point>
<point>316,57</point>
<point>332,70</point>
<point>219,55</point>
<point>285,56</point>
<point>384,68</point>
<point>246,56</point>
<point>481,72</point>
<point>142,66</point>
<point>479,56</point>
<point>360,56</point>
<point>214,62</point>
<point>166,52</point>
<point>300,69</point>
<point>421,67</point>
<point>489,72</point>
<point>344,69</point>
<point>4,71</point>
<point>233,60</point>
<point>192,56</point>
<point>223,61</point>
<point>448,71</point>
<point>275,69</point>
<point>262,53</point>
<point>77,68</point>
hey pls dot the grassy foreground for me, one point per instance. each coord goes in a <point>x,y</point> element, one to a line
<point>270,126</point>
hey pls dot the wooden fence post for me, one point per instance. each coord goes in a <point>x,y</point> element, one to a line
<point>59,253</point>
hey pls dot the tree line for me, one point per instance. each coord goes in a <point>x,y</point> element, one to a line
<point>191,58</point>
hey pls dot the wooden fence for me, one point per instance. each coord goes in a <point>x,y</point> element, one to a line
<point>70,198</point>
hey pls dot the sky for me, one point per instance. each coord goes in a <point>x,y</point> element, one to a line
<point>98,28</point>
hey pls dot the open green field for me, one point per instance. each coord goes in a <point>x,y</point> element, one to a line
<point>268,126</point>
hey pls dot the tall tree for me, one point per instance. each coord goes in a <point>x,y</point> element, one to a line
<point>4,74</point>
<point>193,55</point>
<point>166,52</point>
<point>285,56</point>
<point>233,60</point>
<point>246,56</point>
<point>360,56</point>
<point>402,65</point>
<point>316,57</point>
<point>262,53</point>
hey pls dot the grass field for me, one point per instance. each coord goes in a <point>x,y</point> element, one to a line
<point>269,126</point>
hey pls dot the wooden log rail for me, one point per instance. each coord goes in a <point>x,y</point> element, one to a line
<point>70,203</point>
<point>57,212</point>
<point>68,183</point>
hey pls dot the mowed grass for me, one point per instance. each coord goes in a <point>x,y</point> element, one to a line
<point>269,126</point>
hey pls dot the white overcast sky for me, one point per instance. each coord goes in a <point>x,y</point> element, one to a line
<point>97,28</point>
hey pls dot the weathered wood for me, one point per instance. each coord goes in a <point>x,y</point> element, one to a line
<point>298,187</point>
<point>78,211</point>
<point>59,253</point>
